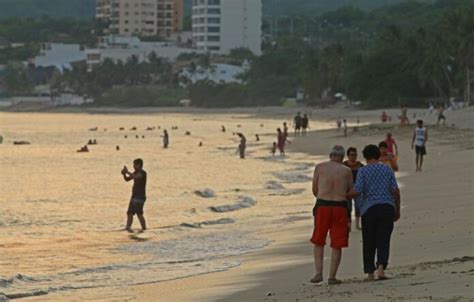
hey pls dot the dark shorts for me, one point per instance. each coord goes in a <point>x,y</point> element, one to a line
<point>441,117</point>
<point>420,150</point>
<point>136,206</point>
<point>298,127</point>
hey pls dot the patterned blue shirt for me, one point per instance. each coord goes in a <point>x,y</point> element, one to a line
<point>374,184</point>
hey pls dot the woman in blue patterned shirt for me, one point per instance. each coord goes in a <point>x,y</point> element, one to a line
<point>379,205</point>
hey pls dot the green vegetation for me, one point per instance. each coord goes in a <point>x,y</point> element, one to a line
<point>408,53</point>
<point>53,8</point>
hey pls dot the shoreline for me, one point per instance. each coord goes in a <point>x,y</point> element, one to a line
<point>281,270</point>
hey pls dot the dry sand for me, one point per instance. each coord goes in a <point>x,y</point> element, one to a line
<point>432,245</point>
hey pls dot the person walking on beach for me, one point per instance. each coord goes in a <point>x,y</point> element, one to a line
<point>420,137</point>
<point>138,199</point>
<point>344,127</point>
<point>305,123</point>
<point>379,205</point>
<point>353,164</point>
<point>388,158</point>
<point>298,121</point>
<point>331,184</point>
<point>285,130</point>
<point>441,115</point>
<point>391,144</point>
<point>166,139</point>
<point>242,145</point>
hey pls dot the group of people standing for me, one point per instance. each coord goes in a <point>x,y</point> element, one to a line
<point>377,202</point>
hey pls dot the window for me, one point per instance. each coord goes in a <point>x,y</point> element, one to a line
<point>213,38</point>
<point>214,2</point>
<point>214,11</point>
<point>214,20</point>
<point>214,48</point>
<point>212,29</point>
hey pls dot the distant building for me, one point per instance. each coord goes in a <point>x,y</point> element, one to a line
<point>222,25</point>
<point>218,73</point>
<point>59,55</point>
<point>141,17</point>
<point>121,48</point>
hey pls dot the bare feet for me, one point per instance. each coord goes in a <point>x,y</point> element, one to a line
<point>370,277</point>
<point>128,230</point>
<point>317,279</point>
<point>334,281</point>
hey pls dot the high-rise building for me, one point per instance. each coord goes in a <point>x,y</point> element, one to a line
<point>222,25</point>
<point>141,17</point>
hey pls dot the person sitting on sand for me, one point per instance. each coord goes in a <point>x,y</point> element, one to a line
<point>223,128</point>
<point>353,164</point>
<point>420,137</point>
<point>392,144</point>
<point>138,199</point>
<point>379,205</point>
<point>242,145</point>
<point>388,158</point>
<point>274,148</point>
<point>166,139</point>
<point>331,184</point>
<point>257,137</point>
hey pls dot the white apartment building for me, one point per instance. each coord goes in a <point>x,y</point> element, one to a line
<point>141,17</point>
<point>222,25</point>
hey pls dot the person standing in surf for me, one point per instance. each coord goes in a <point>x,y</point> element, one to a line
<point>242,145</point>
<point>166,139</point>
<point>138,199</point>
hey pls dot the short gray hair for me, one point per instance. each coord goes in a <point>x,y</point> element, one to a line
<point>338,151</point>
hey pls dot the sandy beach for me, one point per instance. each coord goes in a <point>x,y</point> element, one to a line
<point>432,253</point>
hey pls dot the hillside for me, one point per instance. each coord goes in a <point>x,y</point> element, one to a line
<point>53,8</point>
<point>85,8</point>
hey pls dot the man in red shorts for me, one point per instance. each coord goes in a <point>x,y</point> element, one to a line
<point>331,183</point>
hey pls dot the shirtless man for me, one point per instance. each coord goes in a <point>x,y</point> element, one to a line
<point>331,183</point>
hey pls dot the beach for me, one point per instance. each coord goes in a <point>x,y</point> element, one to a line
<point>260,253</point>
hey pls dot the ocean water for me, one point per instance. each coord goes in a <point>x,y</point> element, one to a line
<point>62,211</point>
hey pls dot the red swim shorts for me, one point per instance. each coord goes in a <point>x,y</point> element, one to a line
<point>334,220</point>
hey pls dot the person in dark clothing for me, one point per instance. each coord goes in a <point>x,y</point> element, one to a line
<point>166,139</point>
<point>305,123</point>
<point>353,164</point>
<point>379,206</point>
<point>298,120</point>
<point>138,199</point>
<point>242,145</point>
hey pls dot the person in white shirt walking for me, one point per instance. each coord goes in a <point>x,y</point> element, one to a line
<point>420,137</point>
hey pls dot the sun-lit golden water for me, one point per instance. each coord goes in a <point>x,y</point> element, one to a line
<point>61,211</point>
